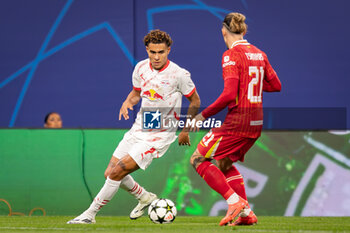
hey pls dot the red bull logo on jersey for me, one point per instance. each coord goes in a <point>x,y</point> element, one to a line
<point>152,95</point>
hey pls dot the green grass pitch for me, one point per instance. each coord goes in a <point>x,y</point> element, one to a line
<point>180,225</point>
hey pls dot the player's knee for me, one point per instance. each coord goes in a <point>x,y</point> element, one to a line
<point>107,171</point>
<point>196,159</point>
<point>192,159</point>
<point>106,174</point>
<point>117,173</point>
<point>194,155</point>
<point>110,166</point>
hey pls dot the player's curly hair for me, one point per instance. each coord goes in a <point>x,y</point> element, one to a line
<point>235,23</point>
<point>157,37</point>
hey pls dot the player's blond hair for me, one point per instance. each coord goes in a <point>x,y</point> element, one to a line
<point>235,23</point>
<point>157,37</point>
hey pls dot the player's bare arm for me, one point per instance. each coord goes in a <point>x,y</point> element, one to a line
<point>195,102</point>
<point>132,99</point>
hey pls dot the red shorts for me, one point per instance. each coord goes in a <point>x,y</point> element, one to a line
<point>218,145</point>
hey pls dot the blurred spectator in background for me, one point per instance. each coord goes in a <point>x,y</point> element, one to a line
<point>53,120</point>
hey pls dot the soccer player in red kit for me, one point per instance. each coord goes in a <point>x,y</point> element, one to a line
<point>246,73</point>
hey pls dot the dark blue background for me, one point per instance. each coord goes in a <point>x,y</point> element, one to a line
<point>76,57</point>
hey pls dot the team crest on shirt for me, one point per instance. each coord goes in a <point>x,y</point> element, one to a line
<point>151,94</point>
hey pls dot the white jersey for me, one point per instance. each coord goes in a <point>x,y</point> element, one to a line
<point>161,93</point>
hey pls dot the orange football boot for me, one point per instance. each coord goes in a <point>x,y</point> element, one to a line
<point>233,211</point>
<point>251,219</point>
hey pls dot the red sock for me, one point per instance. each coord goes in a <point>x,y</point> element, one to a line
<point>235,180</point>
<point>215,179</point>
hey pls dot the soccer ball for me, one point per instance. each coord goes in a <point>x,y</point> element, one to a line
<point>162,211</point>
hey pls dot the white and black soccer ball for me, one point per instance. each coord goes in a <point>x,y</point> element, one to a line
<point>162,211</point>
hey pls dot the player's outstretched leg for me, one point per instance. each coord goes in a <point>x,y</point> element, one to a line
<point>121,169</point>
<point>103,197</point>
<point>217,181</point>
<point>250,219</point>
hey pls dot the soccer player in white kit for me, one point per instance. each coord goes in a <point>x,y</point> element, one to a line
<point>160,84</point>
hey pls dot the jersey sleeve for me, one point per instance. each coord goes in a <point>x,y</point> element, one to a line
<point>230,74</point>
<point>227,97</point>
<point>270,72</point>
<point>136,79</point>
<point>186,85</point>
<point>230,65</point>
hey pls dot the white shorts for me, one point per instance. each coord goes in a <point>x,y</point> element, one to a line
<point>141,152</point>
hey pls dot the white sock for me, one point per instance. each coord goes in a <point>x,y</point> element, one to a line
<point>130,185</point>
<point>106,193</point>
<point>233,199</point>
<point>245,212</point>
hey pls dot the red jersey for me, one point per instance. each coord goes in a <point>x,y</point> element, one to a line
<point>246,73</point>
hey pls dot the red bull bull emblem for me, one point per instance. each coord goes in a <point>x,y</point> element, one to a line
<point>152,95</point>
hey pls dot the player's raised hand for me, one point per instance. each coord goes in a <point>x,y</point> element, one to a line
<point>132,99</point>
<point>124,110</point>
<point>184,139</point>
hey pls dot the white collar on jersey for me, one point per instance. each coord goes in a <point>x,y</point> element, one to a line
<point>239,42</point>
<point>164,67</point>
